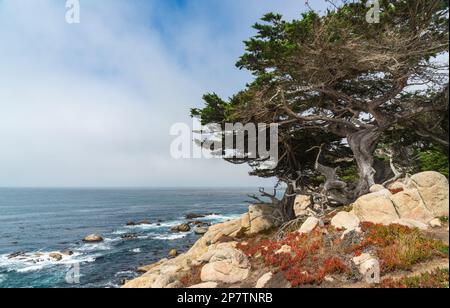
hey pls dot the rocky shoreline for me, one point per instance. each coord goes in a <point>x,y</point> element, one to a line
<point>246,253</point>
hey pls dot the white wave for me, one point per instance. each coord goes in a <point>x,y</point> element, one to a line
<point>142,227</point>
<point>168,224</point>
<point>32,268</point>
<point>102,246</point>
<point>219,217</point>
<point>120,232</point>
<point>125,273</point>
<point>169,237</point>
<point>137,250</point>
<point>94,247</point>
<point>36,261</point>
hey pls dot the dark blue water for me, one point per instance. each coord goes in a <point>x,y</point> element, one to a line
<point>40,221</point>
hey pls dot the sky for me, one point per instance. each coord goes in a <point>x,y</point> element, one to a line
<point>91,104</point>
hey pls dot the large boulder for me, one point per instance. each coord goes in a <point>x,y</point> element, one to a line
<point>262,218</point>
<point>411,223</point>
<point>410,205</point>
<point>216,232</point>
<point>376,188</point>
<point>415,201</point>
<point>155,274</point>
<point>345,220</point>
<point>376,207</point>
<point>226,264</point>
<point>434,190</point>
<point>160,277</point>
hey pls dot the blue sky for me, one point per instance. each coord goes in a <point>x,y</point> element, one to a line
<point>91,104</point>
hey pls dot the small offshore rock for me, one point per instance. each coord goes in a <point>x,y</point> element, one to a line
<point>67,252</point>
<point>200,230</point>
<point>55,256</point>
<point>129,236</point>
<point>194,216</point>
<point>173,253</point>
<point>93,238</point>
<point>181,228</point>
<point>16,254</point>
<point>143,222</point>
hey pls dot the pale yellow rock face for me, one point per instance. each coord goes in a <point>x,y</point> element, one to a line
<point>398,186</point>
<point>376,188</point>
<point>345,220</point>
<point>264,280</point>
<point>376,208</point>
<point>301,203</point>
<point>434,190</point>
<point>245,220</point>
<point>205,285</point>
<point>224,271</point>
<point>422,198</point>
<point>139,283</point>
<point>164,273</point>
<point>410,223</point>
<point>261,218</point>
<point>226,264</point>
<point>409,205</point>
<point>309,225</point>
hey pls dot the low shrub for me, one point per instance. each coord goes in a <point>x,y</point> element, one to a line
<point>436,279</point>
<point>308,262</point>
<point>399,247</point>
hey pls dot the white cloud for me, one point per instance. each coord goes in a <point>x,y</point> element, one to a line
<point>92,104</point>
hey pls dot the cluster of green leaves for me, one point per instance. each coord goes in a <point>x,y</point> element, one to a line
<point>332,49</point>
<point>434,159</point>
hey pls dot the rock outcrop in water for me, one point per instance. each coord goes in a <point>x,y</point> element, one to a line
<point>93,238</point>
<point>181,228</point>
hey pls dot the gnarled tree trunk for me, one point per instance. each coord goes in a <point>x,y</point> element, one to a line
<point>286,205</point>
<point>363,144</point>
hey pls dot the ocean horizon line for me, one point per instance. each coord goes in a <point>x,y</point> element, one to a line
<point>133,187</point>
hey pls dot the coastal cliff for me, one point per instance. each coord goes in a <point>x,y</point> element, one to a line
<point>382,239</point>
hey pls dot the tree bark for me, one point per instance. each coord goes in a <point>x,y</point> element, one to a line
<point>286,205</point>
<point>363,144</point>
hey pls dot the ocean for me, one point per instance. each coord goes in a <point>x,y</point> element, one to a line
<point>37,222</point>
